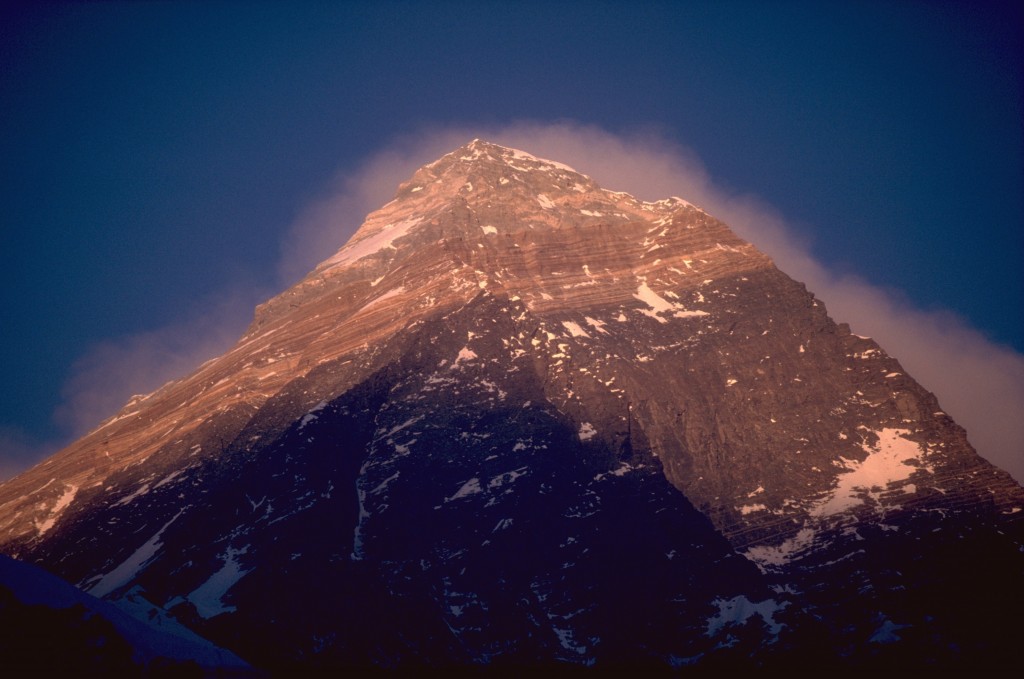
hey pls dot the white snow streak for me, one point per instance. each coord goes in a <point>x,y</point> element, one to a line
<point>523,155</point>
<point>372,243</point>
<point>660,305</point>
<point>471,487</point>
<point>596,324</point>
<point>312,414</point>
<point>207,598</point>
<point>739,609</point>
<point>131,566</point>
<point>62,503</point>
<point>465,354</point>
<point>377,300</point>
<point>574,329</point>
<point>142,490</point>
<point>779,555</point>
<point>652,299</point>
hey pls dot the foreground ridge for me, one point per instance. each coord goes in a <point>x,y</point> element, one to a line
<point>522,419</point>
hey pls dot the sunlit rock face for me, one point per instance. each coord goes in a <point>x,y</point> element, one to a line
<point>523,420</point>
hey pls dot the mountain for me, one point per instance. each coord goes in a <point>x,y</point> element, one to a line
<point>521,420</point>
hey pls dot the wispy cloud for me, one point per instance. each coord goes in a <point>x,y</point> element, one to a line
<point>109,373</point>
<point>331,218</point>
<point>978,382</point>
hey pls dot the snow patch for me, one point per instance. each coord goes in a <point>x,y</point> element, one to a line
<point>596,324</point>
<point>656,302</point>
<point>565,638</point>
<point>312,414</point>
<point>507,477</point>
<point>523,155</point>
<point>471,487</point>
<point>890,461</point>
<point>168,479</point>
<point>587,431</point>
<point>374,242</point>
<point>65,499</point>
<point>886,633</point>
<point>739,609</point>
<point>397,428</point>
<point>623,469</point>
<point>377,300</point>
<point>142,490</point>
<point>659,305</point>
<point>780,555</point>
<point>465,354</point>
<point>574,329</point>
<point>208,597</point>
<point>130,567</point>
<point>403,449</point>
<point>382,486</point>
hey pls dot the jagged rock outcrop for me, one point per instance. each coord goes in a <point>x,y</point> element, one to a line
<point>522,419</point>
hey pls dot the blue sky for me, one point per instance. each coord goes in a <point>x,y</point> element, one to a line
<point>156,157</point>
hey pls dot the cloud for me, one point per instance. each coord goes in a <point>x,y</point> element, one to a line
<point>109,373</point>
<point>341,207</point>
<point>977,381</point>
<point>103,379</point>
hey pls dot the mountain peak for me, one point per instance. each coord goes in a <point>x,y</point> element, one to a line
<point>496,189</point>
<point>516,158</point>
<point>495,163</point>
<point>458,439</point>
<point>480,151</point>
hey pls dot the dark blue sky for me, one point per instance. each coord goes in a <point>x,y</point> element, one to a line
<point>155,154</point>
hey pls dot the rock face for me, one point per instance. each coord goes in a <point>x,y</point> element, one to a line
<point>519,419</point>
